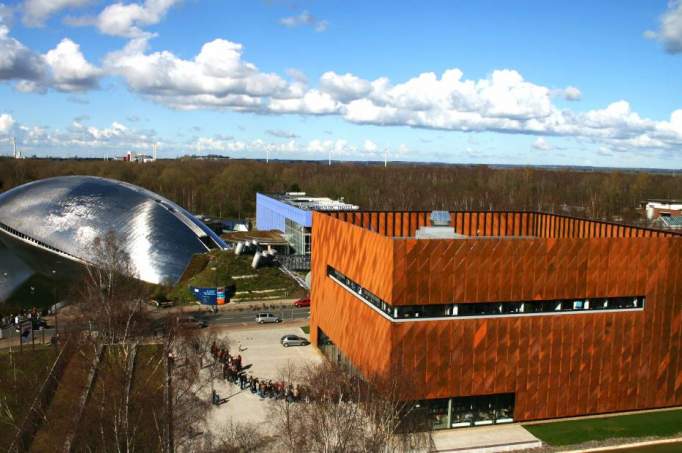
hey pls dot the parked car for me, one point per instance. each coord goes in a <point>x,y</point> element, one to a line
<point>263,318</point>
<point>190,322</point>
<point>302,302</point>
<point>293,340</point>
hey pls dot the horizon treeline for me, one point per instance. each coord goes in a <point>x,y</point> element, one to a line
<point>227,188</point>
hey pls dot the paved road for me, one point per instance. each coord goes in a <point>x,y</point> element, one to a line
<point>249,317</point>
<point>224,317</point>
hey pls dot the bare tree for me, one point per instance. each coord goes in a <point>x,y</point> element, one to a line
<point>342,412</point>
<point>110,296</point>
<point>193,373</point>
<point>238,438</point>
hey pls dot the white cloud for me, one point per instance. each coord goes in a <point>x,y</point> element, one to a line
<point>63,68</point>
<point>305,19</point>
<point>312,102</point>
<point>504,102</point>
<point>370,146</point>
<point>344,88</point>
<point>542,144</point>
<point>127,19</point>
<point>116,138</point>
<point>18,62</point>
<point>572,93</point>
<point>670,28</point>
<point>6,123</point>
<point>6,15</point>
<point>70,69</point>
<point>36,12</point>
<point>217,77</point>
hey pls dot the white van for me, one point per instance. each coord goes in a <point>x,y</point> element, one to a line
<point>263,318</point>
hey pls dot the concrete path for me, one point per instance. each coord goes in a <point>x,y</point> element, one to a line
<point>485,439</point>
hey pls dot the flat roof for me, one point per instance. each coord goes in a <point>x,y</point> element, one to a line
<point>306,202</point>
<point>495,225</point>
<point>269,237</point>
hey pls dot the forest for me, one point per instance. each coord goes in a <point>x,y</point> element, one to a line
<point>226,188</point>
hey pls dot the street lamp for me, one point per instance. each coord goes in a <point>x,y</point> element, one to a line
<point>54,300</point>
<point>215,281</point>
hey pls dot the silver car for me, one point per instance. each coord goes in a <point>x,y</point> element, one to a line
<point>293,340</point>
<point>263,318</point>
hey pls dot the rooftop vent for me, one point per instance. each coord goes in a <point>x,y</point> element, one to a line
<point>440,218</point>
<point>440,228</point>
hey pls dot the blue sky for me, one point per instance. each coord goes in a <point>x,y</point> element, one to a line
<point>574,83</point>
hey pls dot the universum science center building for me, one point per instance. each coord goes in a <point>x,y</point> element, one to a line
<point>502,316</point>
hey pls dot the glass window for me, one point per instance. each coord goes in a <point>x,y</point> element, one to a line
<point>486,308</point>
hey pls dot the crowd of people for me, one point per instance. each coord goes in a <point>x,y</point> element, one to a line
<point>234,372</point>
<point>26,314</point>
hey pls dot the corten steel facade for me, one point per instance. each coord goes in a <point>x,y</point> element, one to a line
<point>556,365</point>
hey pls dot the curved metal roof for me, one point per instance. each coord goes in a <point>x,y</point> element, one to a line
<point>67,213</point>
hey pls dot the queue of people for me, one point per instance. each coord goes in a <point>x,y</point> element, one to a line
<point>15,319</point>
<point>265,388</point>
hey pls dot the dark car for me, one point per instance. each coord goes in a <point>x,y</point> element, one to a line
<point>190,322</point>
<point>302,302</point>
<point>293,340</point>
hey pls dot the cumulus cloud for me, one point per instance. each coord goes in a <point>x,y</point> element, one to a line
<point>542,145</point>
<point>63,68</point>
<point>305,19</point>
<point>36,12</point>
<point>18,62</point>
<point>127,19</point>
<point>669,32</point>
<point>116,138</point>
<point>216,77</point>
<point>219,78</point>
<point>70,70</point>
<point>6,123</point>
<point>344,88</point>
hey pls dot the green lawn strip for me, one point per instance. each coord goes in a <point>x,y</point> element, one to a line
<point>60,415</point>
<point>104,401</point>
<point>147,409</point>
<point>650,424</point>
<point>306,329</point>
<point>21,377</point>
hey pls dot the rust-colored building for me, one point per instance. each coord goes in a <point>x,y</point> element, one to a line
<point>520,315</point>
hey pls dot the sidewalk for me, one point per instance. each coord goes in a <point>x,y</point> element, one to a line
<point>485,439</point>
<point>245,306</point>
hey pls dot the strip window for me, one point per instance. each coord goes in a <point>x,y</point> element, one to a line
<point>462,310</point>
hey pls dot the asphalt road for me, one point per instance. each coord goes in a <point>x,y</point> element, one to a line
<point>249,317</point>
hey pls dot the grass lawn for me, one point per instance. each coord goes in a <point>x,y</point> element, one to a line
<point>21,375</point>
<point>200,273</point>
<point>59,419</point>
<point>147,403</point>
<point>306,329</point>
<point>660,424</point>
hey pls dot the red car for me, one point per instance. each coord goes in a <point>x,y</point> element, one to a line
<point>302,302</point>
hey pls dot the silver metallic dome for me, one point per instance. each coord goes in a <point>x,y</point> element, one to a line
<point>60,217</point>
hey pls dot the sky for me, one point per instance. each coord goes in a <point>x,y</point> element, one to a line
<point>457,81</point>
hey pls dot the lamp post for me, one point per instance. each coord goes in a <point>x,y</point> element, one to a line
<point>54,300</point>
<point>215,282</point>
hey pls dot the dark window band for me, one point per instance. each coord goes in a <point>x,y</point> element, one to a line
<point>462,310</point>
